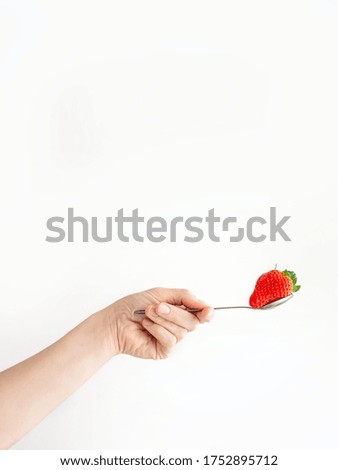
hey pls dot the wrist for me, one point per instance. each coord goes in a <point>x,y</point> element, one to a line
<point>107,332</point>
<point>109,318</point>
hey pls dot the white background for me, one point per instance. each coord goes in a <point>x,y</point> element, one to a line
<point>175,108</point>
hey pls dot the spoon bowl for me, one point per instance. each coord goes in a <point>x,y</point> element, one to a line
<point>276,303</point>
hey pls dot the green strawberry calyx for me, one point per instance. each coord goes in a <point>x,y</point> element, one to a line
<point>293,277</point>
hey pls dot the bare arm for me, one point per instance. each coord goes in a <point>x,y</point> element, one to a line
<point>33,388</point>
<point>30,390</point>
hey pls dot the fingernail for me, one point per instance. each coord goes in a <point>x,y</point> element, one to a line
<point>163,308</point>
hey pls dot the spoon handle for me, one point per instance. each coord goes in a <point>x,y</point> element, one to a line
<point>196,310</point>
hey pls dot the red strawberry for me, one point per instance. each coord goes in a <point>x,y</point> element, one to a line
<point>272,286</point>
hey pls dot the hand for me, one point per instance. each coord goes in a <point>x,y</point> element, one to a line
<point>34,387</point>
<point>166,321</point>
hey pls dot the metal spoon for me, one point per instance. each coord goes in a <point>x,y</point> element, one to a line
<point>269,306</point>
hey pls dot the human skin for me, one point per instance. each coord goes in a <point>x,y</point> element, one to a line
<point>30,390</point>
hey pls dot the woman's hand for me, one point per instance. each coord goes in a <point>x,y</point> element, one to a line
<point>34,387</point>
<point>166,321</point>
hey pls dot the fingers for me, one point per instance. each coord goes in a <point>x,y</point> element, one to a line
<point>182,318</point>
<point>177,330</point>
<point>166,339</point>
<point>172,314</point>
<point>167,322</point>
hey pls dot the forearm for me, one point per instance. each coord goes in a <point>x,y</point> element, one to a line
<point>33,388</point>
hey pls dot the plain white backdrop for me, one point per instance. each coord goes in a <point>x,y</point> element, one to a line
<point>175,108</point>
